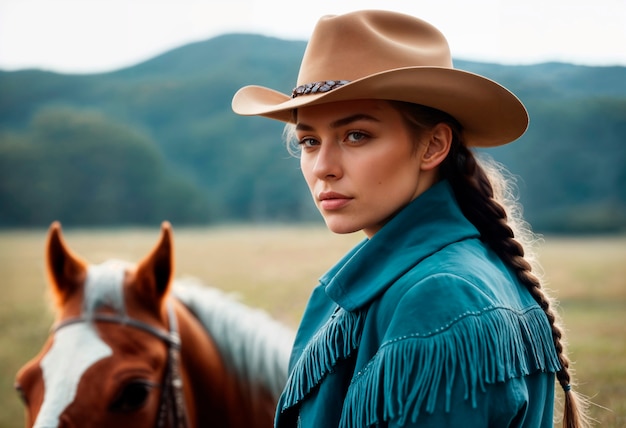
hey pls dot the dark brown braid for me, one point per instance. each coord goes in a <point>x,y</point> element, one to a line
<point>476,197</point>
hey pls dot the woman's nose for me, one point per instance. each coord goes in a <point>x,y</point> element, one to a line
<point>328,162</point>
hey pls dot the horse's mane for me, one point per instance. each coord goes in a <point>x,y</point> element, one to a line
<point>254,345</point>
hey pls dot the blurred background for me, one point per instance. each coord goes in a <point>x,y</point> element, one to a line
<point>115,115</point>
<point>96,132</point>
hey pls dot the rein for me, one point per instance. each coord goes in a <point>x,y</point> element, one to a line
<point>172,397</point>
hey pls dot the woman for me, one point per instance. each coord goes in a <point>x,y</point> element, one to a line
<point>435,319</point>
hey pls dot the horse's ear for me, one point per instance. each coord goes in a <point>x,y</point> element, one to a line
<point>66,271</point>
<point>155,272</point>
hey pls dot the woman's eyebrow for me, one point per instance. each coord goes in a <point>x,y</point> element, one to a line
<point>340,122</point>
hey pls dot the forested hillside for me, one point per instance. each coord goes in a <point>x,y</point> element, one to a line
<point>159,141</point>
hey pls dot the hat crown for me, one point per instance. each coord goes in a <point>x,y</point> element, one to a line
<point>391,40</point>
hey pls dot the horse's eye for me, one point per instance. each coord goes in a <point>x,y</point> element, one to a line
<point>21,393</point>
<point>132,396</point>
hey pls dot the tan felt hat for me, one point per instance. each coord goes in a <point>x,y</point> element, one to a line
<point>376,54</point>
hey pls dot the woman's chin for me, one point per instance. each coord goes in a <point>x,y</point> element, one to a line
<point>341,227</point>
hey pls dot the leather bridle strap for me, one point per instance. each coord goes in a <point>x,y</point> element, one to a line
<point>172,396</point>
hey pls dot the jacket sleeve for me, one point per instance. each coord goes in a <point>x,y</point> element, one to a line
<point>451,358</point>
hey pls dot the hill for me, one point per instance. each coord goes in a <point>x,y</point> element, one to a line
<point>159,140</point>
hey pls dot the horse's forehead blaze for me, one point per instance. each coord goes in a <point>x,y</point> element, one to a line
<point>75,349</point>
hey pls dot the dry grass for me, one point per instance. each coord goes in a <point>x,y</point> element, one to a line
<point>588,276</point>
<point>275,268</point>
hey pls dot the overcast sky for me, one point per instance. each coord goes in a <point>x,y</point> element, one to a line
<point>84,36</point>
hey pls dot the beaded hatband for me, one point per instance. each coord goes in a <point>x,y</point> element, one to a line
<point>315,87</point>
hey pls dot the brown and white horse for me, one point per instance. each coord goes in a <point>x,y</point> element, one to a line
<point>131,348</point>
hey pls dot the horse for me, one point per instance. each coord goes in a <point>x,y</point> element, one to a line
<point>133,347</point>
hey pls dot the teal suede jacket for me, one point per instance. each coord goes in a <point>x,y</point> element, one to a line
<point>421,326</point>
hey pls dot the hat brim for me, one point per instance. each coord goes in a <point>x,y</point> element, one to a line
<point>490,114</point>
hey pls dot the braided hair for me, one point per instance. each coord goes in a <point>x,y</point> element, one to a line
<point>482,196</point>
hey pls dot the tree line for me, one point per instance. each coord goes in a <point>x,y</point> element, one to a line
<point>158,141</point>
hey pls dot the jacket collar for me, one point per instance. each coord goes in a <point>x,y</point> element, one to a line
<point>430,222</point>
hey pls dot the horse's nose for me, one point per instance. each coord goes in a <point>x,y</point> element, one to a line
<point>62,424</point>
<point>66,422</point>
<point>47,424</point>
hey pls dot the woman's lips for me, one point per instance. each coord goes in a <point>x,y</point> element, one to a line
<point>333,201</point>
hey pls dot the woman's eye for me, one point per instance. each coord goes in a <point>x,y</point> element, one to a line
<point>308,142</point>
<point>132,397</point>
<point>356,136</point>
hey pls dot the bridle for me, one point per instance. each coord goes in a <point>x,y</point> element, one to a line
<point>172,397</point>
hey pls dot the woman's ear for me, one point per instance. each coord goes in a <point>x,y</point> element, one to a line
<point>438,146</point>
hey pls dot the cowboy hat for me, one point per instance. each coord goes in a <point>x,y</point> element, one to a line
<point>387,55</point>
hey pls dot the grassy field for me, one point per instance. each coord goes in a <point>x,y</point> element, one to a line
<point>275,268</point>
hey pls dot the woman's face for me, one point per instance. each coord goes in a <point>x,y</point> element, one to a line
<point>361,163</point>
